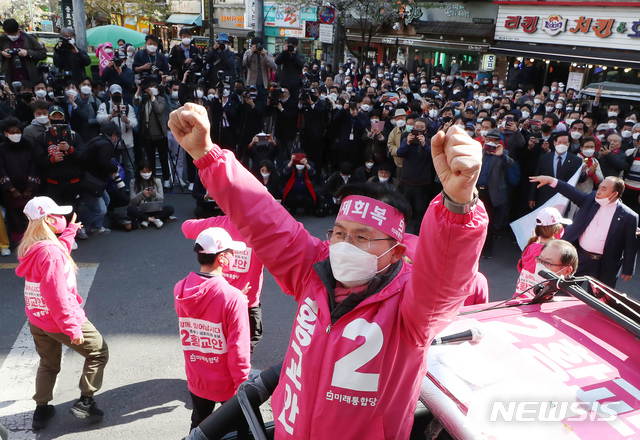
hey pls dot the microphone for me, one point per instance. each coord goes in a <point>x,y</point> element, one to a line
<point>473,335</point>
<point>548,275</point>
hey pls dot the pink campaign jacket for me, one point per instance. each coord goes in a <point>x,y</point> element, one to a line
<point>214,331</point>
<point>360,377</point>
<point>51,297</point>
<point>247,267</point>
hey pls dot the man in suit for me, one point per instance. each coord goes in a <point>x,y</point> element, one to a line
<point>559,163</point>
<point>603,230</point>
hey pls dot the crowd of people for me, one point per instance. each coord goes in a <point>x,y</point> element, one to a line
<point>306,130</point>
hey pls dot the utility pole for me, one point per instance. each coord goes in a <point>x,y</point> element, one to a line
<point>260,18</point>
<point>338,43</point>
<point>211,39</point>
<point>80,24</point>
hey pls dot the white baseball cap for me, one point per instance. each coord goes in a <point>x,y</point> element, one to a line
<point>39,207</point>
<point>216,240</point>
<point>115,88</point>
<point>551,216</point>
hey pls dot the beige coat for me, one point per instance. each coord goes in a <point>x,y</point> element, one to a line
<point>251,63</point>
<point>395,139</point>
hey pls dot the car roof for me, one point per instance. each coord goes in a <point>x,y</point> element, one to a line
<point>613,90</point>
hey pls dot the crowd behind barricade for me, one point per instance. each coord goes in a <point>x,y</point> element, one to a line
<point>303,128</point>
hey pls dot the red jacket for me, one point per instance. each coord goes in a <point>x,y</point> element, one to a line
<point>51,296</point>
<point>360,376</point>
<point>214,331</point>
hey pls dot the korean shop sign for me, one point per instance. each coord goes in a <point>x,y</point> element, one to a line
<point>608,27</point>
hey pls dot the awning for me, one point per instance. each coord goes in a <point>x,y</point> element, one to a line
<point>455,29</point>
<point>425,43</point>
<point>195,19</point>
<point>237,32</point>
<point>569,54</point>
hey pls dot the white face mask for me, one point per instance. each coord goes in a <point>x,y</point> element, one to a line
<point>211,96</point>
<point>152,49</point>
<point>72,41</point>
<point>130,54</point>
<point>612,114</point>
<point>549,109</point>
<point>349,89</point>
<point>72,93</point>
<point>537,101</point>
<point>51,95</point>
<point>333,97</point>
<point>602,202</point>
<point>553,89</point>
<point>154,91</point>
<point>145,176</point>
<point>174,94</point>
<point>588,153</point>
<point>575,135</point>
<point>85,90</point>
<point>226,93</point>
<point>353,266</point>
<point>433,114</point>
<point>44,120</point>
<point>559,106</point>
<point>494,95</point>
<point>41,93</point>
<point>186,41</point>
<point>401,123</point>
<point>636,135</point>
<point>300,167</point>
<point>625,134</point>
<point>14,37</point>
<point>369,165</point>
<point>265,175</point>
<point>526,115</point>
<point>199,94</point>
<point>487,105</point>
<point>483,133</point>
<point>423,91</point>
<point>538,278</point>
<point>568,122</point>
<point>600,136</point>
<point>365,107</point>
<point>383,179</point>
<point>15,138</point>
<point>107,50</point>
<point>613,125</point>
<point>560,148</point>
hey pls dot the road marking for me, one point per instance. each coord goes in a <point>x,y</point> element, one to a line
<point>18,372</point>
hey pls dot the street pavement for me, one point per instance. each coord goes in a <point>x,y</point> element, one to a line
<point>128,278</point>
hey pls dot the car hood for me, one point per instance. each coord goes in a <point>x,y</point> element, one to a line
<point>554,370</point>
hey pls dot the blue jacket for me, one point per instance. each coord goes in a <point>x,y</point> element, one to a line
<point>621,245</point>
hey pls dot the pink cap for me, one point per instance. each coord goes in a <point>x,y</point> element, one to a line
<point>371,212</point>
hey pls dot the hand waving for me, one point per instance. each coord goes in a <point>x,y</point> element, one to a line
<point>190,126</point>
<point>457,159</point>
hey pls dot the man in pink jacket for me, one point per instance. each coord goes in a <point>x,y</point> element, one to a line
<point>246,272</point>
<point>357,353</point>
<point>214,325</point>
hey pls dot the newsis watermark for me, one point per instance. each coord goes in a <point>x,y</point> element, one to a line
<point>539,411</point>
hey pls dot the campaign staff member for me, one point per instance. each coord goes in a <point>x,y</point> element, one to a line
<point>54,309</point>
<point>356,356</point>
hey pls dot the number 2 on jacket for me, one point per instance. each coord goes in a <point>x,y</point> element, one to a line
<point>345,374</point>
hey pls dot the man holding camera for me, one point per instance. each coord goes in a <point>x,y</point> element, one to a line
<point>149,61</point>
<point>117,72</point>
<point>221,58</point>
<point>115,110</point>
<point>68,57</point>
<point>20,53</point>
<point>183,54</point>
<point>258,61</point>
<point>291,65</point>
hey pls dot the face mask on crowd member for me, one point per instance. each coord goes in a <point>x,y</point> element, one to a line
<point>151,46</point>
<point>561,144</point>
<point>588,149</point>
<point>606,192</point>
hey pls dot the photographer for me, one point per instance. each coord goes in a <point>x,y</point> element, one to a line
<point>77,116</point>
<point>153,128</point>
<point>316,116</point>
<point>117,72</point>
<point>221,58</point>
<point>150,61</point>
<point>183,54</point>
<point>99,152</point>
<point>286,126</point>
<point>24,98</point>
<point>61,159</point>
<point>115,110</point>
<point>21,53</point>
<point>223,115</point>
<point>249,122</point>
<point>258,62</point>
<point>68,57</point>
<point>291,65</point>
<point>262,147</point>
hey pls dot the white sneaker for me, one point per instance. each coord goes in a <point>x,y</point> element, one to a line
<point>182,183</point>
<point>5,252</point>
<point>167,184</point>
<point>144,224</point>
<point>158,223</point>
<point>190,187</point>
<point>74,246</point>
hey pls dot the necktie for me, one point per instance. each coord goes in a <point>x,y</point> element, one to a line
<point>559,165</point>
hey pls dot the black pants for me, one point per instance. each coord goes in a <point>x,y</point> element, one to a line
<point>419,197</point>
<point>255,325</point>
<point>162,145</point>
<point>591,267</point>
<point>64,194</point>
<point>202,408</point>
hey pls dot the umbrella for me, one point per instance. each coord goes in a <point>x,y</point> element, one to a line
<point>112,33</point>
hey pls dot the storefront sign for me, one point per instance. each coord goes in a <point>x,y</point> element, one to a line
<point>288,17</point>
<point>250,14</point>
<point>610,27</point>
<point>283,32</point>
<point>66,9</point>
<point>326,33</point>
<point>232,20</point>
<point>488,62</point>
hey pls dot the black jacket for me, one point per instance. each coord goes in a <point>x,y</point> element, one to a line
<point>286,120</point>
<point>177,58</point>
<point>71,167</point>
<point>99,152</point>
<point>291,65</point>
<point>570,165</point>
<point>18,166</point>
<point>68,61</point>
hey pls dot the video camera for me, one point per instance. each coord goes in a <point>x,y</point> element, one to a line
<point>275,94</point>
<point>13,53</point>
<point>65,43</point>
<point>149,77</point>
<point>58,81</point>
<point>118,58</point>
<point>195,68</point>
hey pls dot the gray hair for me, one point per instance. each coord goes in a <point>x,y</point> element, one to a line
<point>67,30</point>
<point>616,135</point>
<point>636,126</point>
